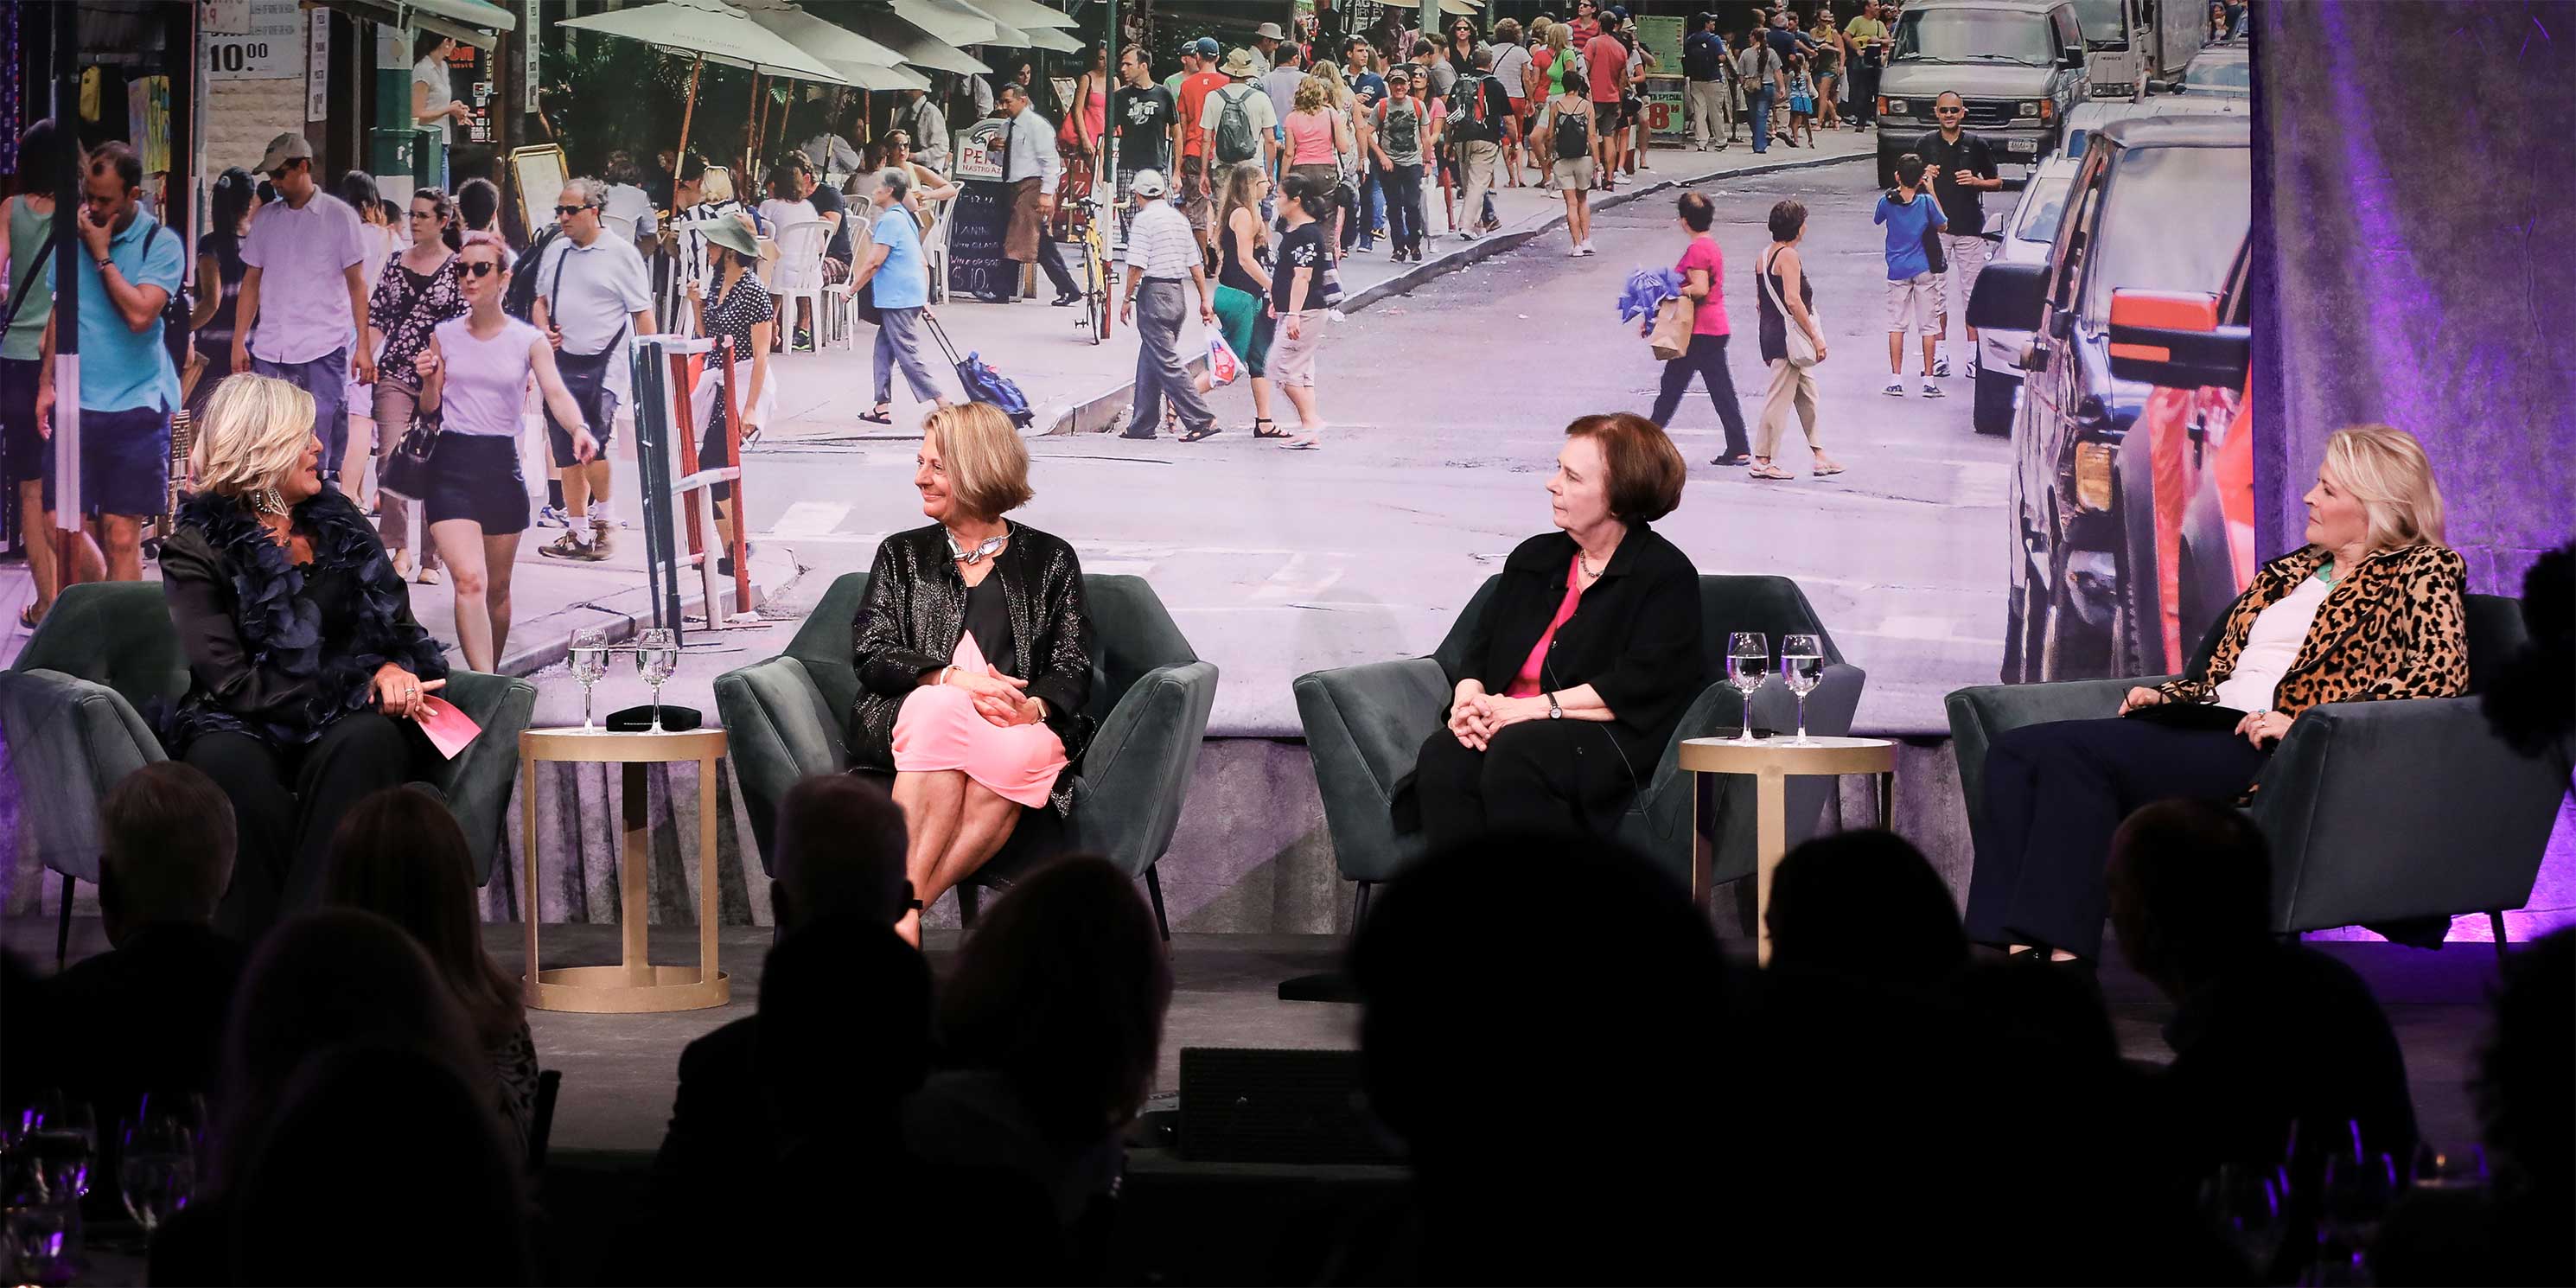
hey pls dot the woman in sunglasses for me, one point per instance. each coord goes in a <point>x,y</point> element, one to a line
<point>419,289</point>
<point>473,375</point>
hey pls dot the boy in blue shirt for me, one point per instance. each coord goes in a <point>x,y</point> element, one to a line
<point>1913,289</point>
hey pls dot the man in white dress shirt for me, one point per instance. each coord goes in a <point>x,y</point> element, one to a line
<point>1030,167</point>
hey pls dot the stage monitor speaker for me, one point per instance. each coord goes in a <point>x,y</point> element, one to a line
<point>1253,1105</point>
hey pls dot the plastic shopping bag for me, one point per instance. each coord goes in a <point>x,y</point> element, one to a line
<point>1223,367</point>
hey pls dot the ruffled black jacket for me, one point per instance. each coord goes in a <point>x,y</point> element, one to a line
<point>277,651</point>
<point>915,613</point>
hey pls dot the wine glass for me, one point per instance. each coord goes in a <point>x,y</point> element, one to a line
<point>589,657</point>
<point>2358,1188</point>
<point>1802,668</point>
<point>61,1139</point>
<point>657,654</point>
<point>2243,1203</point>
<point>43,1236</point>
<point>1748,657</point>
<point>157,1168</point>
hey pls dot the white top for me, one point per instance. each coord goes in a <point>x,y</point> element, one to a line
<point>1256,111</point>
<point>626,201</point>
<point>303,258</point>
<point>780,213</point>
<point>1509,61</point>
<point>1281,83</point>
<point>1161,243</point>
<point>2271,646</point>
<point>601,288</point>
<point>379,240</point>
<point>442,91</point>
<point>1031,151</point>
<point>487,380</point>
<point>928,128</point>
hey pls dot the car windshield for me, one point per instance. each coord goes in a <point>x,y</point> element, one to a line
<point>2041,208</point>
<point>2104,22</point>
<point>2224,75</point>
<point>2175,218</point>
<point>1975,36</point>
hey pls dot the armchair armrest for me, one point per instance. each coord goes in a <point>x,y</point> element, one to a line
<point>2378,811</point>
<point>478,782</point>
<point>1136,772</point>
<point>68,741</point>
<point>778,728</point>
<point>1978,714</point>
<point>1365,726</point>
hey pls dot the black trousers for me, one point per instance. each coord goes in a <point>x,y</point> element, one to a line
<point>2054,795</point>
<point>1705,358</point>
<point>1051,262</point>
<point>1538,776</point>
<point>1865,92</point>
<point>287,803</point>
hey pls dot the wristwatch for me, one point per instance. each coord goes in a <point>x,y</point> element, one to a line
<point>1554,712</point>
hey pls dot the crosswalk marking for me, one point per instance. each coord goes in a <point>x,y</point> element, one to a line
<point>809,519</point>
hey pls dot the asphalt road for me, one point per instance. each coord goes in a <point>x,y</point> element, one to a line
<point>1446,407</point>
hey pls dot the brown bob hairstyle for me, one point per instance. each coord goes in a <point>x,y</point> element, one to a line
<point>1646,470</point>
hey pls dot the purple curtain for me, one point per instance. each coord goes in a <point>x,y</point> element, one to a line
<point>2412,163</point>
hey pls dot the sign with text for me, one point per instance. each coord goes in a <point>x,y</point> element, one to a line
<point>979,150</point>
<point>270,48</point>
<point>978,220</point>
<point>317,66</point>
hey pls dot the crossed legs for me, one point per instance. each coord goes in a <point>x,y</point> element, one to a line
<point>956,825</point>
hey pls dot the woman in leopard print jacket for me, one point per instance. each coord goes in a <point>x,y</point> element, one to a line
<point>2370,608</point>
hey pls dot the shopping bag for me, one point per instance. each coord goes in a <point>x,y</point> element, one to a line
<point>1671,335</point>
<point>1223,367</point>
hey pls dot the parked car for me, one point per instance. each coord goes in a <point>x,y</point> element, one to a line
<point>2018,64</point>
<point>2088,117</point>
<point>2157,205</point>
<point>2022,238</point>
<point>2131,44</point>
<point>2225,71</point>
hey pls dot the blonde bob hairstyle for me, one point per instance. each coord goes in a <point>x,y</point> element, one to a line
<point>254,434</point>
<point>2386,470</point>
<point>1314,94</point>
<point>715,184</point>
<point>988,465</point>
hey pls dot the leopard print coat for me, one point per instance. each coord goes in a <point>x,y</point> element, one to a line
<point>2395,627</point>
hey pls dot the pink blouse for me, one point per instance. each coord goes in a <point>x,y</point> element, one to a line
<point>1526,684</point>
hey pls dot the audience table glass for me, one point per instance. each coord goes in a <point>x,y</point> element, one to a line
<point>636,984</point>
<point>1771,761</point>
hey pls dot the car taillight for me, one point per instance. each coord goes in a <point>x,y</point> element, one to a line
<point>2093,462</point>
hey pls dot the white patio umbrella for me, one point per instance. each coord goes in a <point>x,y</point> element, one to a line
<point>1027,15</point>
<point>708,31</point>
<point>861,61</point>
<point>918,48</point>
<point>953,24</point>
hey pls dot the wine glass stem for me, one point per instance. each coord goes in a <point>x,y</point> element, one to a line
<point>1802,717</point>
<point>585,709</point>
<point>657,707</point>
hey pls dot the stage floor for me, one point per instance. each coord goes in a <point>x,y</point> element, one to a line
<point>620,1070</point>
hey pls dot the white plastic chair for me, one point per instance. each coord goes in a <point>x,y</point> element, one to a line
<point>798,274</point>
<point>934,249</point>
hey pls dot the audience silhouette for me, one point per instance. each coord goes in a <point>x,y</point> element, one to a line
<point>1864,903</point>
<point>147,1015</point>
<point>400,855</point>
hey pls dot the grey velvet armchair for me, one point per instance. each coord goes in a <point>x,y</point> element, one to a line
<point>1366,724</point>
<point>1150,695</point>
<point>78,704</point>
<point>2377,812</point>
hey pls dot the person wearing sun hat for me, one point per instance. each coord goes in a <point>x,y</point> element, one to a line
<point>1241,68</point>
<point>1265,47</point>
<point>733,305</point>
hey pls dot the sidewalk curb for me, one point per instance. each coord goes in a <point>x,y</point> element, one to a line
<point>1096,414</point>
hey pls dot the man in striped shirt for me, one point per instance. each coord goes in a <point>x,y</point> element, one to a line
<point>1164,268</point>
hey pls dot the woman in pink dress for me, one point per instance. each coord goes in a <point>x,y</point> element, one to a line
<point>974,657</point>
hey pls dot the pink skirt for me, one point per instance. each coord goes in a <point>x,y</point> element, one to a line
<point>939,728</point>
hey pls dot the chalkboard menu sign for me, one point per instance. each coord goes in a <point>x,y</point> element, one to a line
<point>979,219</point>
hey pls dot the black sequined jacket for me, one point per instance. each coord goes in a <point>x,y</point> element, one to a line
<point>278,651</point>
<point>915,612</point>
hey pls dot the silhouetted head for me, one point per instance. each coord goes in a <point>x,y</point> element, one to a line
<point>379,1152</point>
<point>2191,891</point>
<point>400,855</point>
<point>844,1026</point>
<point>165,837</point>
<point>2524,1109</point>
<point>1063,987</point>
<point>1864,903</point>
<point>324,979</point>
<point>2531,700</point>
<point>840,850</point>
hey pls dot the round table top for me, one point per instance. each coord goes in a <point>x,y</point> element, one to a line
<point>571,743</point>
<point>1781,755</point>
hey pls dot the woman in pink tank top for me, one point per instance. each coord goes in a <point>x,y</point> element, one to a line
<point>1319,136</point>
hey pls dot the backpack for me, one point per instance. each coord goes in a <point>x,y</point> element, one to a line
<point>1573,134</point>
<point>1470,120</point>
<point>1234,136</point>
<point>520,301</point>
<point>1403,129</point>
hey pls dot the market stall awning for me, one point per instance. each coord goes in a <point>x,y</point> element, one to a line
<point>712,30</point>
<point>953,24</point>
<point>872,76</point>
<point>917,47</point>
<point>1027,15</point>
<point>471,22</point>
<point>1063,42</point>
<point>859,60</point>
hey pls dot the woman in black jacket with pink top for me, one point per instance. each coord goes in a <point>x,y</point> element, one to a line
<point>1582,661</point>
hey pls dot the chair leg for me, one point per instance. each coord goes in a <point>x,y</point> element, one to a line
<point>63,927</point>
<point>1154,887</point>
<point>2495,922</point>
<point>1360,914</point>
<point>970,901</point>
<point>1332,985</point>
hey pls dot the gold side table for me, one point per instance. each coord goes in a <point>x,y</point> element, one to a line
<point>636,984</point>
<point>1771,761</point>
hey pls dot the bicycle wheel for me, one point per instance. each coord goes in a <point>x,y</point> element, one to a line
<point>1096,299</point>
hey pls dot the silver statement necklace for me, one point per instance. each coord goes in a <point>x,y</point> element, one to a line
<point>983,549</point>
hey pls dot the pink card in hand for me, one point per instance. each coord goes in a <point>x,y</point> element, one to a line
<point>449,728</point>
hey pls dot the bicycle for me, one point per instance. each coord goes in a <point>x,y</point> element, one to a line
<point>1097,273</point>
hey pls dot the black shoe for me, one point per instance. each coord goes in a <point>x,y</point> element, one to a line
<point>988,297</point>
<point>1134,435</point>
<point>1069,297</point>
